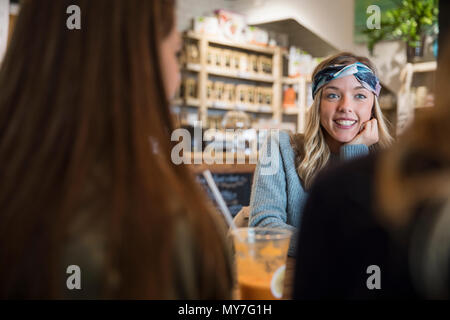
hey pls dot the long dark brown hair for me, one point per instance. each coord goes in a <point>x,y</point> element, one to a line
<point>85,131</point>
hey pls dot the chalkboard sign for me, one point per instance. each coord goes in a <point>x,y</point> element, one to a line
<point>234,187</point>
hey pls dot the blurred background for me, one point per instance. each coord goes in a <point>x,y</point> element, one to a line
<point>247,64</point>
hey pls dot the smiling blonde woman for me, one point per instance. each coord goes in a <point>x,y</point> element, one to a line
<point>344,122</point>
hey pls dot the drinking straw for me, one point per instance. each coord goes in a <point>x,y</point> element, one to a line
<point>212,185</point>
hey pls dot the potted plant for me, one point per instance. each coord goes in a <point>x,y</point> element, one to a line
<point>410,21</point>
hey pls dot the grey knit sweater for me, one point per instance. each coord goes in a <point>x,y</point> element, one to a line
<point>278,197</point>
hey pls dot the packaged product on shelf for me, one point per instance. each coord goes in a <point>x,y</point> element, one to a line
<point>191,88</point>
<point>219,57</point>
<point>193,54</point>
<point>294,62</point>
<point>244,63</point>
<point>211,56</point>
<point>253,63</point>
<point>226,59</point>
<point>268,96</point>
<point>231,25</point>
<point>260,96</point>
<point>209,90</point>
<point>218,90</point>
<point>256,36</point>
<point>289,97</point>
<point>206,25</point>
<point>235,60</point>
<point>265,65</point>
<point>251,94</point>
<point>229,90</point>
<point>182,59</point>
<point>241,93</point>
<point>260,64</point>
<point>300,62</point>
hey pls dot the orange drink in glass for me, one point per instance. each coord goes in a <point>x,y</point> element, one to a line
<point>261,261</point>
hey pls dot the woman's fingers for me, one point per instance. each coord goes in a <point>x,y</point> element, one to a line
<point>368,133</point>
<point>374,131</point>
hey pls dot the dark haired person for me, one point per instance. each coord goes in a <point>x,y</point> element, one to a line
<point>86,175</point>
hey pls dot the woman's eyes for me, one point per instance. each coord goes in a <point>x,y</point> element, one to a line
<point>335,96</point>
<point>332,96</point>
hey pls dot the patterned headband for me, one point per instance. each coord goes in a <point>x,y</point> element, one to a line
<point>361,72</point>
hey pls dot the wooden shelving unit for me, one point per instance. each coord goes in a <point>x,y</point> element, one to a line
<point>202,71</point>
<point>405,100</point>
<point>239,75</point>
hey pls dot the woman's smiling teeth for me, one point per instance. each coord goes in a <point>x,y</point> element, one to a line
<point>345,123</point>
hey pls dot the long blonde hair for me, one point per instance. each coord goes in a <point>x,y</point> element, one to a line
<point>311,149</point>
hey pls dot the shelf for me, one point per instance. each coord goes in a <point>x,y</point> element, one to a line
<point>291,110</point>
<point>220,105</point>
<point>232,44</point>
<point>224,105</point>
<point>192,67</point>
<point>239,75</point>
<point>236,74</point>
<point>291,80</point>
<point>288,80</point>
<point>424,66</point>
<point>191,102</point>
<point>241,107</point>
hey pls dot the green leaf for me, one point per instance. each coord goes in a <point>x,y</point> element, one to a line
<point>407,22</point>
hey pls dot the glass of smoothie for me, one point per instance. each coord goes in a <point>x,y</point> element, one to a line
<point>261,261</point>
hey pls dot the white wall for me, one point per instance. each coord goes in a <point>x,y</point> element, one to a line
<point>188,9</point>
<point>332,20</point>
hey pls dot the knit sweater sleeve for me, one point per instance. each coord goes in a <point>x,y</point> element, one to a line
<point>268,201</point>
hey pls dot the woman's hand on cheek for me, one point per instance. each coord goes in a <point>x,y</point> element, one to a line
<point>368,135</point>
